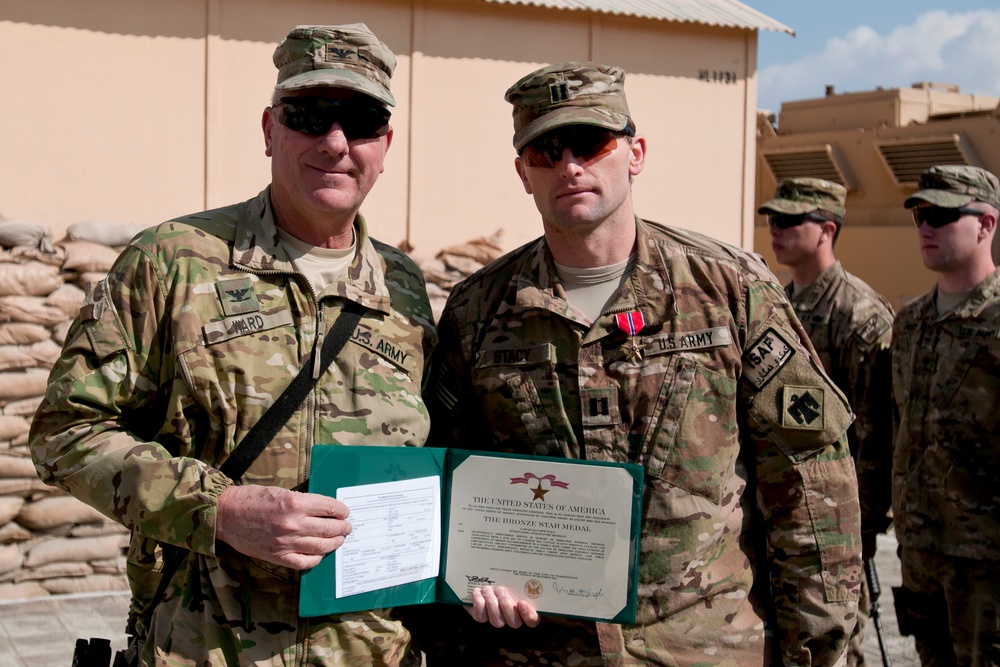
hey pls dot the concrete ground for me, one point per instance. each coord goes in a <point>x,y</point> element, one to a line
<point>42,632</point>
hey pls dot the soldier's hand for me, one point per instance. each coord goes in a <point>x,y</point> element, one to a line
<point>280,526</point>
<point>498,607</point>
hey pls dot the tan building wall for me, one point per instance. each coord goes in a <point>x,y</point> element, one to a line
<point>135,111</point>
<point>876,144</point>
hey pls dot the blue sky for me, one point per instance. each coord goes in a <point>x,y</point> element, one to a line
<point>857,45</point>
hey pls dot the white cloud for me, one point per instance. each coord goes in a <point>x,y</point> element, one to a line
<point>961,48</point>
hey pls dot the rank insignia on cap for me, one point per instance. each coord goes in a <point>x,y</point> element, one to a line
<point>559,92</point>
<point>802,408</point>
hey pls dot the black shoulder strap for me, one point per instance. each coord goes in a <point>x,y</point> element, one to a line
<point>261,433</point>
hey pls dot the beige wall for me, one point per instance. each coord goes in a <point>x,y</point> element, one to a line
<point>135,111</point>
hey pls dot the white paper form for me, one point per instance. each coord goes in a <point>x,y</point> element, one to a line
<point>396,538</point>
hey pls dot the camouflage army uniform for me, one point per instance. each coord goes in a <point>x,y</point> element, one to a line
<point>199,326</point>
<point>946,502</point>
<point>850,325</point>
<point>697,397</point>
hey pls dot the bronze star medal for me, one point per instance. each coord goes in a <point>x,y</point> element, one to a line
<point>631,323</point>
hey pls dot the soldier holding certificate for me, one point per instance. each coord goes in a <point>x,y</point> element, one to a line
<point>613,338</point>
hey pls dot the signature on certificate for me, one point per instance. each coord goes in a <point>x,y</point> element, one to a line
<point>577,592</point>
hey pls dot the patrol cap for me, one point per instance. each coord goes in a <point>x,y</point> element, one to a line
<point>797,196</point>
<point>572,93</point>
<point>342,56</point>
<point>954,186</point>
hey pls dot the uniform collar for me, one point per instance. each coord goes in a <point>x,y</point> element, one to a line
<point>257,250</point>
<point>809,298</point>
<point>647,285</point>
<point>984,294</point>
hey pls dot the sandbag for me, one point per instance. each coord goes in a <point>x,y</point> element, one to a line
<point>11,532</point>
<point>73,549</point>
<point>22,333</point>
<point>43,353</point>
<point>30,309</point>
<point>11,558</point>
<point>29,589</point>
<point>93,584</point>
<point>16,385</point>
<point>19,232</point>
<point>68,298</point>
<point>31,278</point>
<point>105,233</point>
<point>84,256</point>
<point>10,507</point>
<point>16,466</point>
<point>11,427</point>
<point>55,511</point>
<point>54,571</point>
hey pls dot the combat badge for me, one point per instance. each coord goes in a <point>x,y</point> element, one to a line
<point>802,408</point>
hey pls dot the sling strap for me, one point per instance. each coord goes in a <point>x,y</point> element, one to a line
<point>261,433</point>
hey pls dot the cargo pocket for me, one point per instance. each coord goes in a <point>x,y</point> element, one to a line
<point>700,404</point>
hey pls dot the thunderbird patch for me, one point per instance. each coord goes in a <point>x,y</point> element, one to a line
<point>802,408</point>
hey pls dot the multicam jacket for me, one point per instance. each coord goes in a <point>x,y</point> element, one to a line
<point>750,487</point>
<point>198,327</point>
<point>946,384</point>
<point>850,325</point>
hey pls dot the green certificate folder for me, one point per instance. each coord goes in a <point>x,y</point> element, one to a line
<point>430,525</point>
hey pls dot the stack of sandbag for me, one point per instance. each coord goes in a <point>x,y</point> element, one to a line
<point>455,263</point>
<point>50,543</point>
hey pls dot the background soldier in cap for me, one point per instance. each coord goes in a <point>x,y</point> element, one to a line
<point>651,344</point>
<point>202,323</point>
<point>850,325</point>
<point>946,384</point>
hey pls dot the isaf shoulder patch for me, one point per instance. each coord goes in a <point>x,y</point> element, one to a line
<point>764,358</point>
<point>802,408</point>
<point>870,331</point>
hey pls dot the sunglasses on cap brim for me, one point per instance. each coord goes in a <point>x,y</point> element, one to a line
<point>316,116</point>
<point>939,216</point>
<point>588,143</point>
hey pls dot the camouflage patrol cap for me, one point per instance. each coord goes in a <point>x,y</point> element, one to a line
<point>796,196</point>
<point>341,56</point>
<point>954,186</point>
<point>571,93</point>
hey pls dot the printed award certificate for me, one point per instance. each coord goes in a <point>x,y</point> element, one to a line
<point>433,524</point>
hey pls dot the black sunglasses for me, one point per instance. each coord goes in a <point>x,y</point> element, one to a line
<point>587,142</point>
<point>316,115</point>
<point>939,216</point>
<point>789,220</point>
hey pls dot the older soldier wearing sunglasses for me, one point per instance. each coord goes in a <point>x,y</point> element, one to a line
<point>850,325</point>
<point>613,338</point>
<point>201,325</point>
<point>946,384</point>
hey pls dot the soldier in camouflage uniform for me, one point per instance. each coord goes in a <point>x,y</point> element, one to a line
<point>617,339</point>
<point>199,327</point>
<point>946,385</point>
<point>850,325</point>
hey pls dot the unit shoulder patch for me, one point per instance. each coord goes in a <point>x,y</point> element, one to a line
<point>765,357</point>
<point>802,408</point>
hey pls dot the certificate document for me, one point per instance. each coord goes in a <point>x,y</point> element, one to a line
<point>431,525</point>
<point>555,533</point>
